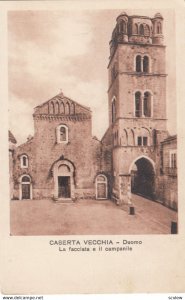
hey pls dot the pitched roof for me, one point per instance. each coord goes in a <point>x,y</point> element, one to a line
<point>61,96</point>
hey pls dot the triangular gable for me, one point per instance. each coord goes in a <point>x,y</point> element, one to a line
<point>61,105</point>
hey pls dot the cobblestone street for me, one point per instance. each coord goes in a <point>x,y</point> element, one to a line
<point>44,217</point>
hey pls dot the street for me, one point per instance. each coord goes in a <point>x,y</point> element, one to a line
<point>89,217</point>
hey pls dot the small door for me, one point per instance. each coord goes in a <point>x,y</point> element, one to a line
<point>26,191</point>
<point>101,190</point>
<point>64,188</point>
<point>101,187</point>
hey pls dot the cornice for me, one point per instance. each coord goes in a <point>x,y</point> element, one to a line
<point>77,117</point>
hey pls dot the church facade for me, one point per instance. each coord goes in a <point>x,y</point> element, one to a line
<point>64,162</point>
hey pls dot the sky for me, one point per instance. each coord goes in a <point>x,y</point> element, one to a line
<point>68,51</point>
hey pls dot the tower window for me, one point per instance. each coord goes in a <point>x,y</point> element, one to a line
<point>138,104</point>
<point>62,134</point>
<point>122,27</point>
<point>139,140</point>
<point>135,28</point>
<point>147,104</point>
<point>159,28</point>
<point>142,140</point>
<point>147,30</point>
<point>145,141</point>
<point>24,161</point>
<point>113,110</point>
<point>142,64</point>
<point>138,63</point>
<point>141,29</point>
<point>146,64</point>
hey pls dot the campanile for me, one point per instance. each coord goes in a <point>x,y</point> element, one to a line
<point>137,103</point>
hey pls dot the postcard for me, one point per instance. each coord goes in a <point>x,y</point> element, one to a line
<point>92,140</point>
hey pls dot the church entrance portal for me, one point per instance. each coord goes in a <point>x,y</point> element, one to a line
<point>143,178</point>
<point>64,187</point>
<point>63,175</point>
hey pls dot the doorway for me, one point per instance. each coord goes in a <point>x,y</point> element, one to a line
<point>64,187</point>
<point>25,188</point>
<point>26,191</point>
<point>143,178</point>
<point>101,187</point>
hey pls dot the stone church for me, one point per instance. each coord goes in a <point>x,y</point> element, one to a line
<point>64,162</point>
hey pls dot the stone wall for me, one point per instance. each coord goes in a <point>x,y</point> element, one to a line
<point>83,151</point>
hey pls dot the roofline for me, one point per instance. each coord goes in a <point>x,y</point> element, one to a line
<point>59,95</point>
<point>170,138</point>
<point>107,130</point>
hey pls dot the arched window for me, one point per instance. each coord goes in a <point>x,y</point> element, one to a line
<point>25,188</point>
<point>138,63</point>
<point>159,28</point>
<point>101,187</point>
<point>24,161</point>
<point>62,134</point>
<point>135,28</point>
<point>146,64</point>
<point>142,64</point>
<point>138,104</point>
<point>113,110</point>
<point>25,179</point>
<point>147,30</point>
<point>122,27</point>
<point>141,29</point>
<point>147,104</point>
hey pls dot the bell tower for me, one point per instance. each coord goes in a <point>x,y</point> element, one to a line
<point>136,95</point>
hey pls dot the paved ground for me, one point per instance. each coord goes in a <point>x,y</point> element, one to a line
<point>44,217</point>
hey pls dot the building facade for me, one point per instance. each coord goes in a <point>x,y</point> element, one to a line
<point>168,179</point>
<point>63,160</point>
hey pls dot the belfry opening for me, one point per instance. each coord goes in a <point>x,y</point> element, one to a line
<point>143,178</point>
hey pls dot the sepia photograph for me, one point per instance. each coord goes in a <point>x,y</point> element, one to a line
<point>92,146</point>
<point>92,122</point>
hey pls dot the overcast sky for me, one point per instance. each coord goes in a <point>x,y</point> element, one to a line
<point>69,50</point>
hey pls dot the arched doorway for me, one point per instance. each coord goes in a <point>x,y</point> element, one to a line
<point>25,188</point>
<point>143,177</point>
<point>63,172</point>
<point>64,181</point>
<point>101,187</point>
